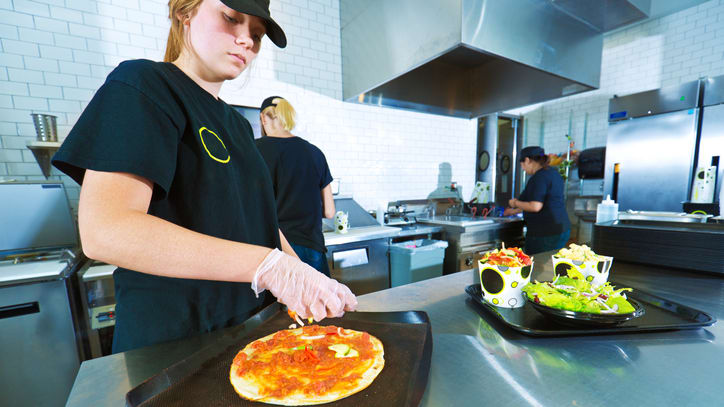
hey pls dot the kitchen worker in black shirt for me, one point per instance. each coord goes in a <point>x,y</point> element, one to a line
<point>174,192</point>
<point>542,203</point>
<point>301,179</point>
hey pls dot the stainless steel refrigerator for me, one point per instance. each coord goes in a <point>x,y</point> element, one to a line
<point>40,352</point>
<point>650,148</point>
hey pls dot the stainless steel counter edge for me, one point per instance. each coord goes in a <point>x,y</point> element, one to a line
<point>33,271</point>
<point>497,223</point>
<point>418,229</point>
<point>360,234</point>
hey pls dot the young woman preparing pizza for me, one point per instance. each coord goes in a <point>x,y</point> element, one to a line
<point>176,195</point>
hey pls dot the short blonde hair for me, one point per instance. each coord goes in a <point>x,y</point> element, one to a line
<point>283,111</point>
<point>175,42</point>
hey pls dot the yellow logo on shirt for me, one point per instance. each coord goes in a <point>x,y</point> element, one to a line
<point>214,144</point>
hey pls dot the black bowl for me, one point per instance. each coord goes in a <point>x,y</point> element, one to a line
<point>587,319</point>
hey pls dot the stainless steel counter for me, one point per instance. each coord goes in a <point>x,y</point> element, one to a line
<point>360,234</point>
<point>477,361</point>
<point>467,223</point>
<point>418,229</point>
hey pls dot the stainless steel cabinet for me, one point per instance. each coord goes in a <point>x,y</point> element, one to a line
<point>38,354</point>
<point>362,266</point>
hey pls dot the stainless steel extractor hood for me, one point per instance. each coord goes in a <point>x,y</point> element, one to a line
<point>468,58</point>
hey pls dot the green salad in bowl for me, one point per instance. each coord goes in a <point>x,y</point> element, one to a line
<point>578,295</point>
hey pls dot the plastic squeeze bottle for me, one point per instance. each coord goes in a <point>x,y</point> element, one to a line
<point>606,210</point>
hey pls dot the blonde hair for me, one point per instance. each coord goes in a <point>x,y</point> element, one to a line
<point>177,9</point>
<point>284,111</point>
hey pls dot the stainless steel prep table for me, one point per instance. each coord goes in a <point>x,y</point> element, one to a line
<point>418,229</point>
<point>477,362</point>
<point>468,236</point>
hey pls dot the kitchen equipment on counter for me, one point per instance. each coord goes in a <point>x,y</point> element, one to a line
<point>356,215</point>
<point>679,240</point>
<point>704,185</point>
<point>607,210</point>
<point>40,329</point>
<point>405,212</point>
<point>46,127</point>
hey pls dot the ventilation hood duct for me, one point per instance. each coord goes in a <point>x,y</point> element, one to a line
<point>468,58</point>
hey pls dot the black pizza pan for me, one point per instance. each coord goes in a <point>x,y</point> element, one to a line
<point>202,379</point>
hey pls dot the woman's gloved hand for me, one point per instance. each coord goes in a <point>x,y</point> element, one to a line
<point>300,287</point>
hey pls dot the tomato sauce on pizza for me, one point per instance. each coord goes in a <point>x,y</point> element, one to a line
<point>309,365</point>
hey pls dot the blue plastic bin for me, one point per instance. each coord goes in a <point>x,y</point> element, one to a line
<point>416,260</point>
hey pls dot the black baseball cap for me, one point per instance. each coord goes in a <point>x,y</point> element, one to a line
<point>260,8</point>
<point>269,102</point>
<point>531,151</point>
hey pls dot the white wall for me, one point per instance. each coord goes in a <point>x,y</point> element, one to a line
<point>55,53</point>
<point>666,51</point>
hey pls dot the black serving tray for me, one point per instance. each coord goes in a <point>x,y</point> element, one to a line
<point>660,315</point>
<point>202,379</point>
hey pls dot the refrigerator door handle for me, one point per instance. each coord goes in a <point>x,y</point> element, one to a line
<point>11,311</point>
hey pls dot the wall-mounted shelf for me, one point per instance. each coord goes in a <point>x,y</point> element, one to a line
<point>43,152</point>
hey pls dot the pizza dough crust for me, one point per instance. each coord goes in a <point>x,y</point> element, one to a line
<point>247,389</point>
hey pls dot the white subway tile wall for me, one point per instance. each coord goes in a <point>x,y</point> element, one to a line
<point>56,53</point>
<point>666,51</point>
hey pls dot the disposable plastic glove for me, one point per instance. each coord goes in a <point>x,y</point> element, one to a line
<point>300,287</point>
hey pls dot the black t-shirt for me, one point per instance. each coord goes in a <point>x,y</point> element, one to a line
<point>299,171</point>
<point>546,186</point>
<point>151,120</point>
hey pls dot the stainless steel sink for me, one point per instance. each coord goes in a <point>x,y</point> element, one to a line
<point>456,220</point>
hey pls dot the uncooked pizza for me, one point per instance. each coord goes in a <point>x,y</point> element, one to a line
<point>309,365</point>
